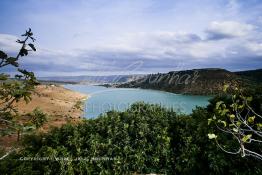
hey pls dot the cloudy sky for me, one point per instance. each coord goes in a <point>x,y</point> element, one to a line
<point>102,37</point>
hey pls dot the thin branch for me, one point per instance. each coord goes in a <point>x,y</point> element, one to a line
<point>254,154</point>
<point>229,152</point>
<point>254,131</point>
<point>1,62</point>
<point>4,64</point>
<point>8,153</point>
<point>260,141</point>
<point>226,131</point>
<point>254,111</point>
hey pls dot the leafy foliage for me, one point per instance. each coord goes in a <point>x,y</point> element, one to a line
<point>143,139</point>
<point>14,90</point>
<point>37,117</point>
<point>240,121</point>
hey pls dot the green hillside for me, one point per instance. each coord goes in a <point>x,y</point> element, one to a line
<point>196,81</point>
<point>254,75</point>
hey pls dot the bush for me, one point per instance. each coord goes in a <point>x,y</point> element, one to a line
<point>37,117</point>
<point>143,139</point>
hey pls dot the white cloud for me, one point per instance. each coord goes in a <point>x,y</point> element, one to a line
<point>159,51</point>
<point>255,48</point>
<point>228,29</point>
<point>8,43</point>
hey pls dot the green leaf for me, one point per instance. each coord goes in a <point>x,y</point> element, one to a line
<point>238,123</point>
<point>12,60</point>
<point>249,99</point>
<point>226,86</point>
<point>126,126</point>
<point>232,116</point>
<point>23,52</point>
<point>251,119</point>
<point>234,106</point>
<point>223,122</point>
<point>259,125</point>
<point>218,104</point>
<point>3,55</point>
<point>209,121</point>
<point>246,137</point>
<point>32,46</point>
<point>235,129</point>
<point>224,111</point>
<point>211,136</point>
<point>241,106</point>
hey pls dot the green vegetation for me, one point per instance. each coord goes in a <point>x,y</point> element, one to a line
<point>255,75</point>
<point>30,122</point>
<point>240,121</point>
<point>143,139</point>
<point>14,90</point>
<point>37,117</point>
<point>196,81</point>
<point>79,104</point>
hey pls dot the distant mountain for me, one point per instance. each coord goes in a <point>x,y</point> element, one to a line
<point>254,75</point>
<point>92,79</point>
<point>195,81</point>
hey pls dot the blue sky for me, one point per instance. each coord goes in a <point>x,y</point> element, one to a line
<point>102,37</point>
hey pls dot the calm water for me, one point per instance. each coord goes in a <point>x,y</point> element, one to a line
<point>104,99</point>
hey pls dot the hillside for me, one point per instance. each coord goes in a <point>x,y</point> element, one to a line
<point>56,101</point>
<point>254,75</point>
<point>195,81</point>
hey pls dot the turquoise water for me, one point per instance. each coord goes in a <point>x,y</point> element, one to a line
<point>103,99</point>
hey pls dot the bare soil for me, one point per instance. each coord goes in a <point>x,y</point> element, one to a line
<point>58,102</point>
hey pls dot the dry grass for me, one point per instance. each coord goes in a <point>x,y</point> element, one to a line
<point>58,102</point>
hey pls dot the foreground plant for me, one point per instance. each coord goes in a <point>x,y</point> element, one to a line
<point>144,139</point>
<point>15,89</point>
<point>240,121</point>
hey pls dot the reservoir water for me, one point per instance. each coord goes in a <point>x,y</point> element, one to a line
<point>102,99</point>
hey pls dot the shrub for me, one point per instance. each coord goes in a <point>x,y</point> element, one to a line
<point>143,139</point>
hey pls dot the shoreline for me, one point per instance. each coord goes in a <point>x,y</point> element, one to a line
<point>59,103</point>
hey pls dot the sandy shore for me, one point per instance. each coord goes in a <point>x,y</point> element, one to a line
<point>58,102</point>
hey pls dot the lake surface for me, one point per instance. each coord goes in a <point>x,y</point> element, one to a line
<point>102,99</point>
